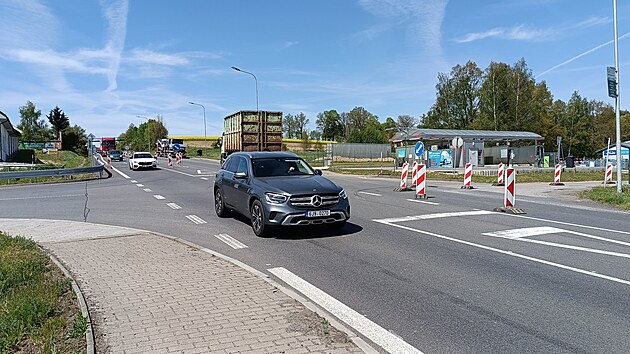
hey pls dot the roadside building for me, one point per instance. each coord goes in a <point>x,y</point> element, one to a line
<point>9,136</point>
<point>455,148</point>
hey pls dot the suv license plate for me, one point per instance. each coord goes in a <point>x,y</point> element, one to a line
<point>316,213</point>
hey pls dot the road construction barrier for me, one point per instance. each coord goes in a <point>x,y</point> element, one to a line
<point>178,158</point>
<point>500,173</point>
<point>509,188</point>
<point>468,177</point>
<point>170,161</point>
<point>421,181</point>
<point>414,173</point>
<point>403,175</point>
<point>609,174</point>
<point>556,176</point>
<point>109,162</point>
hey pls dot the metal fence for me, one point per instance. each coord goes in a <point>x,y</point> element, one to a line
<point>361,151</point>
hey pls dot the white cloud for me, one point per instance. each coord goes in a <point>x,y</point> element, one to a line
<point>144,56</point>
<point>115,12</point>
<point>520,33</point>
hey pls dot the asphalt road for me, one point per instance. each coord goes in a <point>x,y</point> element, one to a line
<point>447,275</point>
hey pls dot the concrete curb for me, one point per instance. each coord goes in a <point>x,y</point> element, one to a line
<point>89,331</point>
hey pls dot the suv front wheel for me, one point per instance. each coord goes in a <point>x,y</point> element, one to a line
<point>258,219</point>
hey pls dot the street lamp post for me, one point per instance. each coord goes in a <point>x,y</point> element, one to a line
<point>255,79</point>
<point>205,135</point>
<point>149,132</point>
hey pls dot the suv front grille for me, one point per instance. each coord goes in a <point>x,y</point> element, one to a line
<point>312,201</point>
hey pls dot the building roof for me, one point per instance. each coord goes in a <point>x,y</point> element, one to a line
<point>6,123</point>
<point>441,134</point>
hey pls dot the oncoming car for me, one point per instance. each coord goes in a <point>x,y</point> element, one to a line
<point>142,160</point>
<point>115,155</point>
<point>278,189</point>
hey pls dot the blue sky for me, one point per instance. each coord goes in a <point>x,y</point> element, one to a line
<point>105,62</point>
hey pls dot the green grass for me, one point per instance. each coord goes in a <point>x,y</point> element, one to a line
<point>609,195</point>
<point>34,299</point>
<point>62,159</point>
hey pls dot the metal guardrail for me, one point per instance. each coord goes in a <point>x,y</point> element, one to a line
<point>55,172</point>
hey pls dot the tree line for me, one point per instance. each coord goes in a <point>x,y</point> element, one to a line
<point>35,128</point>
<point>501,97</point>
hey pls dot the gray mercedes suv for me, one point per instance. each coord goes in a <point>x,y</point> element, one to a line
<point>278,189</point>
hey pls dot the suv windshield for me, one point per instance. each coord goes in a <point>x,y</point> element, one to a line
<point>142,156</point>
<point>281,166</point>
<point>114,152</point>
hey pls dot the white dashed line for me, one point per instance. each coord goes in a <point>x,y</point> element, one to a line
<point>140,185</point>
<point>198,172</point>
<point>157,196</point>
<point>379,335</point>
<point>422,201</point>
<point>230,241</point>
<point>147,190</point>
<point>436,216</point>
<point>204,178</point>
<point>368,193</point>
<point>133,181</point>
<point>197,220</point>
<point>173,206</point>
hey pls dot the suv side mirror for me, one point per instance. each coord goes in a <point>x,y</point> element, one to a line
<point>318,172</point>
<point>240,175</point>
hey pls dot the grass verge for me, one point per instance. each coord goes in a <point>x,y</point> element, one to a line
<point>609,195</point>
<point>58,160</point>
<point>38,309</point>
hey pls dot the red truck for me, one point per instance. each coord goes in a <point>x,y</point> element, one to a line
<point>107,144</point>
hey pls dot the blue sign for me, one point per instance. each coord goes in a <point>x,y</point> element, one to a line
<point>400,153</point>
<point>419,148</point>
<point>176,147</point>
<point>441,158</point>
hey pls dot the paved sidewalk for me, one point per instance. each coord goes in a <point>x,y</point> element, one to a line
<point>150,294</point>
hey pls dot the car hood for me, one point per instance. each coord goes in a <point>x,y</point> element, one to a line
<point>298,185</point>
<point>144,159</point>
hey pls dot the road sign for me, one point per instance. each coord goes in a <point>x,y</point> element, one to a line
<point>419,148</point>
<point>176,147</point>
<point>612,81</point>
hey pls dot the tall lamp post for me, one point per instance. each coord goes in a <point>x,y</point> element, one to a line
<point>149,127</point>
<point>205,135</point>
<point>255,79</point>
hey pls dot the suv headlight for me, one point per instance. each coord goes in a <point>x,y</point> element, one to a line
<point>275,198</point>
<point>343,194</point>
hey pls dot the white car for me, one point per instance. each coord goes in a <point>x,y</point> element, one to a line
<point>142,160</point>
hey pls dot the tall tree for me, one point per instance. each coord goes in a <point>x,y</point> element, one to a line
<point>288,126</point>
<point>494,96</point>
<point>74,139</point>
<point>329,123</point>
<point>58,121</point>
<point>578,124</point>
<point>406,121</point>
<point>300,124</point>
<point>32,127</point>
<point>359,118</point>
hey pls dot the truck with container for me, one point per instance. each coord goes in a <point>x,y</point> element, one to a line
<point>170,147</point>
<point>251,131</point>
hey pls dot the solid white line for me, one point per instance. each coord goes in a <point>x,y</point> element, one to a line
<point>173,206</point>
<point>368,193</point>
<point>422,201</point>
<point>524,232</point>
<point>157,196</point>
<point>436,216</point>
<point>577,248</point>
<point>597,238</point>
<point>45,197</point>
<point>195,219</point>
<point>147,190</point>
<point>120,172</point>
<point>512,254</point>
<point>387,340</point>
<point>140,185</point>
<point>230,241</point>
<point>204,178</point>
<point>133,181</point>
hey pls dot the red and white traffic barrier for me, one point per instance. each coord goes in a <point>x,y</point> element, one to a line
<point>178,159</point>
<point>609,174</point>
<point>556,176</point>
<point>109,162</point>
<point>421,181</point>
<point>500,173</point>
<point>170,161</point>
<point>510,176</point>
<point>414,173</point>
<point>403,175</point>
<point>468,177</point>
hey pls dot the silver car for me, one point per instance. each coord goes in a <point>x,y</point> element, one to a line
<point>278,189</point>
